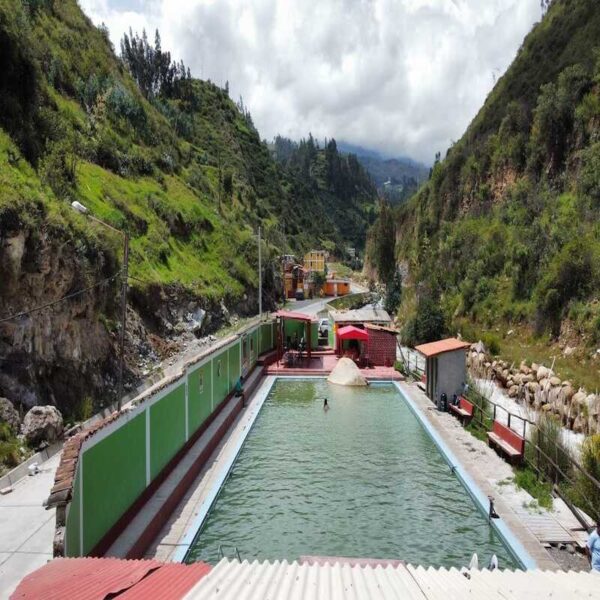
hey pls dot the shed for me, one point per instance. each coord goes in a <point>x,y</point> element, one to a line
<point>445,367</point>
<point>382,345</point>
<point>350,333</point>
<point>359,317</point>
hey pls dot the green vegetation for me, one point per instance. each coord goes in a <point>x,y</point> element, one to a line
<point>583,492</point>
<point>526,479</point>
<point>507,230</point>
<point>150,149</point>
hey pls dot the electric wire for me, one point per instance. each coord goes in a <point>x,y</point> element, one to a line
<point>58,300</point>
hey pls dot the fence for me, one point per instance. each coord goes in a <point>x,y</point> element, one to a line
<point>485,412</point>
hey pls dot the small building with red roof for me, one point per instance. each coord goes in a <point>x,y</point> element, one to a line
<point>445,367</point>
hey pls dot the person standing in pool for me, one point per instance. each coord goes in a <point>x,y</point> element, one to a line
<point>592,548</point>
<point>325,405</point>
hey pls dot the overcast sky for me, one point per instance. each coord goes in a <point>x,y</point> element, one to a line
<point>404,77</point>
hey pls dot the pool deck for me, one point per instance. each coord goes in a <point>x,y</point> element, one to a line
<point>490,473</point>
<point>322,363</point>
<point>485,468</point>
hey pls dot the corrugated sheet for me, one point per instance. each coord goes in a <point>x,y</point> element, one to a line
<point>292,315</point>
<point>99,578</point>
<point>232,580</point>
<point>171,582</point>
<point>83,578</point>
<point>447,345</point>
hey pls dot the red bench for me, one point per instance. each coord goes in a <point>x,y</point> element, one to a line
<point>463,410</point>
<point>507,441</point>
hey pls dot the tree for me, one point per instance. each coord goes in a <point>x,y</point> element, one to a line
<point>383,244</point>
<point>393,294</point>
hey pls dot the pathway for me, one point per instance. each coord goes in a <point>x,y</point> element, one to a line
<point>26,527</point>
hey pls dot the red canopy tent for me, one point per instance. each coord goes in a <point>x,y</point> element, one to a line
<point>350,332</point>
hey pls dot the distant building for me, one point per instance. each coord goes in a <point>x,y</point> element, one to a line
<point>315,260</point>
<point>336,287</point>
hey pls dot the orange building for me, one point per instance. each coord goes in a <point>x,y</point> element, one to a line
<point>336,287</point>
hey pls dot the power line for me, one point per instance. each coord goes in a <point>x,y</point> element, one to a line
<point>67,297</point>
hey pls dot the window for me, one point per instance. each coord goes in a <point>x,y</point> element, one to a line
<point>201,382</point>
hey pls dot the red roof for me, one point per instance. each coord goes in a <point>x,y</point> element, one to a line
<point>352,333</point>
<point>447,345</point>
<point>294,316</point>
<point>171,582</point>
<point>97,578</point>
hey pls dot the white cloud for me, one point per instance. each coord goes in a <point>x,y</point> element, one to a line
<point>401,76</point>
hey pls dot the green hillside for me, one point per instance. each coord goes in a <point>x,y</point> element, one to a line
<point>182,169</point>
<point>506,231</point>
<point>152,151</point>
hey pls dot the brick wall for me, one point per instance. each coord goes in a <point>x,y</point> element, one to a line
<point>382,347</point>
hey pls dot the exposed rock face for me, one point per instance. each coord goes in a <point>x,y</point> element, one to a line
<point>540,387</point>
<point>9,414</point>
<point>59,354</point>
<point>346,373</point>
<point>42,424</point>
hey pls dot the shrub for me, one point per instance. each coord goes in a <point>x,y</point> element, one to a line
<point>492,343</point>
<point>526,479</point>
<point>585,493</point>
<point>547,435</point>
<point>427,325</point>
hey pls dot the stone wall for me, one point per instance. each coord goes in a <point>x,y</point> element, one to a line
<point>539,387</point>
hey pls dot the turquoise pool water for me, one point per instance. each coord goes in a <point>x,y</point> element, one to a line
<point>363,479</point>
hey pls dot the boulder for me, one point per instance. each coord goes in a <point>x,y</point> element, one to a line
<point>543,373</point>
<point>9,414</point>
<point>534,367</point>
<point>42,424</point>
<point>513,391</point>
<point>479,347</point>
<point>554,381</point>
<point>524,368</point>
<point>533,386</point>
<point>528,378</point>
<point>346,373</point>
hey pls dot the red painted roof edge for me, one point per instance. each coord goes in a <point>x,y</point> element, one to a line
<point>441,346</point>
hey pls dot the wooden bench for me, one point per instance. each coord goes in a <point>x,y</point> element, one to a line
<point>463,410</point>
<point>509,443</point>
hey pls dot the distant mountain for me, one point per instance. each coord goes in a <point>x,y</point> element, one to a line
<point>396,178</point>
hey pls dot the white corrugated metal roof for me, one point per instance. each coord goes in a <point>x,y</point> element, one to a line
<point>365,314</point>
<point>234,580</point>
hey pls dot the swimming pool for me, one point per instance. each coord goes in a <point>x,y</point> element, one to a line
<point>363,479</point>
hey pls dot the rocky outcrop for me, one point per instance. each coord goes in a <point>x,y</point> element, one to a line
<point>538,386</point>
<point>9,415</point>
<point>43,424</point>
<point>346,373</point>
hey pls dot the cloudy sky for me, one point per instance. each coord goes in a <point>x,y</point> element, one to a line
<point>404,77</point>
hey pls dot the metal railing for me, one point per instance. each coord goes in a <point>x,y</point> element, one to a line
<point>488,409</point>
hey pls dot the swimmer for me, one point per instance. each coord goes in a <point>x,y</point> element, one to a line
<point>325,405</point>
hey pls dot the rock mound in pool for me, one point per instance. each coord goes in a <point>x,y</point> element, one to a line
<point>346,373</point>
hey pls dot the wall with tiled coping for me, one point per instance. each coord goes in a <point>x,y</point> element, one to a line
<point>115,464</point>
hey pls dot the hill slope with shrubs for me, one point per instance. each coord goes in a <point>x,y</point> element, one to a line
<point>506,232</point>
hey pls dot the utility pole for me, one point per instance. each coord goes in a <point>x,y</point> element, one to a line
<point>259,277</point>
<point>123,315</point>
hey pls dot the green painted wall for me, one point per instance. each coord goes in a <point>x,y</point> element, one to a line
<point>167,429</point>
<point>234,366</point>
<point>72,524</point>
<point>291,327</point>
<point>114,475</point>
<point>199,396</point>
<point>114,469</point>
<point>266,333</point>
<point>220,382</point>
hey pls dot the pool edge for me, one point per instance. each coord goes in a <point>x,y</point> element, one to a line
<point>508,537</point>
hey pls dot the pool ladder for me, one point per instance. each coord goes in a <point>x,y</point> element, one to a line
<point>222,554</point>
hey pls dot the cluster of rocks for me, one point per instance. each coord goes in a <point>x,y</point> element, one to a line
<point>539,387</point>
<point>41,424</point>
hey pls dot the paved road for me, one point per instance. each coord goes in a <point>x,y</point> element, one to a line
<point>26,527</point>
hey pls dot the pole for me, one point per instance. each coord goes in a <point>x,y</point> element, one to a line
<point>259,277</point>
<point>123,317</point>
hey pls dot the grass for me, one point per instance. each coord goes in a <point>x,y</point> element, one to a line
<point>526,479</point>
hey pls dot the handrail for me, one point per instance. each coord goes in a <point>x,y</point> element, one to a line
<point>538,449</point>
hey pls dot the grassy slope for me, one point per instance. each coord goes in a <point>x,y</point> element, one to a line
<point>500,231</point>
<point>138,167</point>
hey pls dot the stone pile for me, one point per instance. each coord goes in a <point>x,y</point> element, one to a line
<point>539,387</point>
